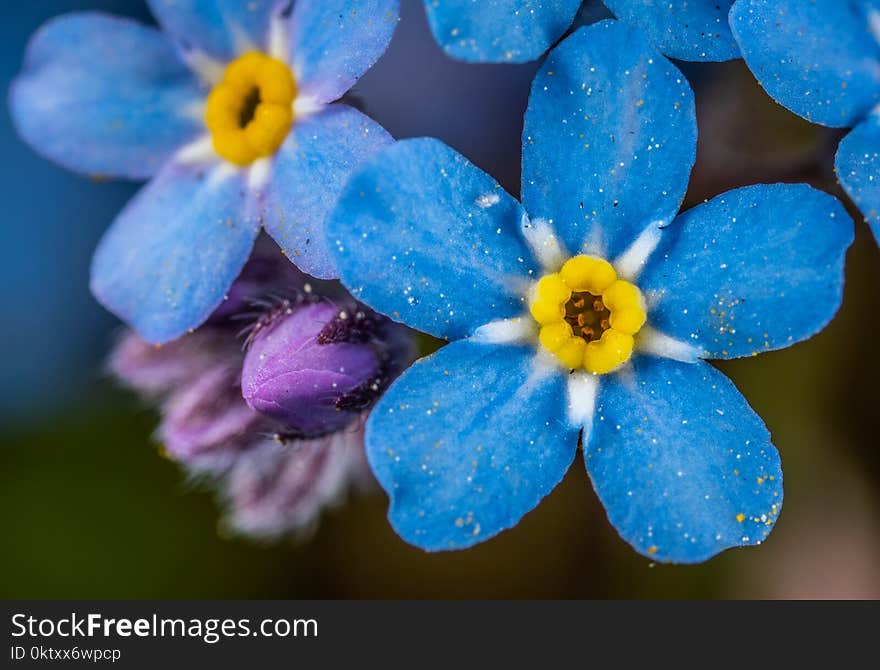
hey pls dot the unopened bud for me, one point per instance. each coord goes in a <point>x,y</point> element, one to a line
<point>317,366</point>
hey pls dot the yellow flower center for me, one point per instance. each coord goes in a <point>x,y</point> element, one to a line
<point>588,316</point>
<point>250,112</point>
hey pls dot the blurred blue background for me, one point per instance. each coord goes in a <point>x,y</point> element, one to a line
<point>90,509</point>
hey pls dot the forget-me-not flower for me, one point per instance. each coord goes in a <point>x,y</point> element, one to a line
<point>516,31</point>
<point>821,60</point>
<point>588,311</point>
<point>228,113</point>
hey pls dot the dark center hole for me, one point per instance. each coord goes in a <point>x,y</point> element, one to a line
<point>249,107</point>
<point>587,315</point>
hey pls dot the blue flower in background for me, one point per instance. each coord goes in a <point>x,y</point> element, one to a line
<point>516,31</point>
<point>228,113</point>
<point>552,343</point>
<point>821,60</point>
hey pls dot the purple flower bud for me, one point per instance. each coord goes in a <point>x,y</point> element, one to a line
<point>153,369</point>
<point>278,425</point>
<point>316,366</point>
<point>208,417</point>
<point>278,488</point>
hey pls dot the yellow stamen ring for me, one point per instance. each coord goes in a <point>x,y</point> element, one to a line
<point>250,112</point>
<point>588,316</point>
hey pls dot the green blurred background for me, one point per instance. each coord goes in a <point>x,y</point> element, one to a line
<point>90,509</point>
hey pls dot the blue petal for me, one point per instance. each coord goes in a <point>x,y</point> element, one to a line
<point>684,467</point>
<point>818,58</point>
<point>695,30</point>
<point>429,239</point>
<point>755,269</point>
<point>220,28</point>
<point>172,253</point>
<point>308,174</point>
<point>104,96</point>
<point>610,139</point>
<point>334,42</point>
<point>499,31</point>
<point>858,169</point>
<point>468,441</point>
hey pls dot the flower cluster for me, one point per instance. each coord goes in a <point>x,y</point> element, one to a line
<point>580,316</point>
<point>267,398</point>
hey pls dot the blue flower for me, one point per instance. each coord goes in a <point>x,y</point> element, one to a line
<point>550,341</point>
<point>516,31</point>
<point>821,60</point>
<point>228,113</point>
